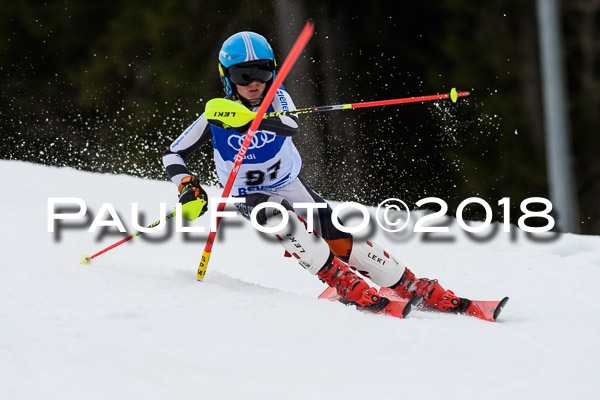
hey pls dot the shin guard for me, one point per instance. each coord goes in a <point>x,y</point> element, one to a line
<point>311,251</point>
<point>372,261</point>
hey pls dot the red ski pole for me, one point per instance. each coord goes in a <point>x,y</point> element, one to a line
<point>88,259</point>
<point>234,114</point>
<point>301,42</point>
<point>453,95</point>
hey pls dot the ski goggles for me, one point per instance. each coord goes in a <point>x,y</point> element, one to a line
<point>243,74</point>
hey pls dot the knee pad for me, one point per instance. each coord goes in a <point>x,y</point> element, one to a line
<point>374,262</point>
<point>311,251</point>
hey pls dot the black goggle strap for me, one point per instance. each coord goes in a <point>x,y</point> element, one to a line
<point>226,82</point>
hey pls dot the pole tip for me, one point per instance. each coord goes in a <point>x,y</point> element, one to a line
<point>85,260</point>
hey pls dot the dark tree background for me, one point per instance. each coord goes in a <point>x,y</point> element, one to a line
<point>106,86</point>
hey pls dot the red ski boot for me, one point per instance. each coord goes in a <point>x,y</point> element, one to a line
<point>349,286</point>
<point>433,293</point>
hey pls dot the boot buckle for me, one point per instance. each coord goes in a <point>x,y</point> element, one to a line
<point>370,296</point>
<point>449,300</point>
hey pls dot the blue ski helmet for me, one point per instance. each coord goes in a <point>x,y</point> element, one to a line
<point>252,58</point>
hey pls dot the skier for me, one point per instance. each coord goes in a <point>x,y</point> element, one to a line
<point>270,173</point>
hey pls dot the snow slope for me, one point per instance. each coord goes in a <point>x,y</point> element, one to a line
<point>137,324</point>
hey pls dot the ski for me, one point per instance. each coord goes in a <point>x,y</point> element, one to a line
<point>392,307</point>
<point>485,310</point>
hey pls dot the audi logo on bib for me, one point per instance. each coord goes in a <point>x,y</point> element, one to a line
<point>259,140</point>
